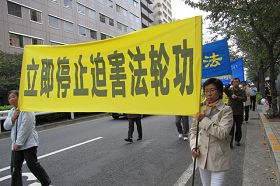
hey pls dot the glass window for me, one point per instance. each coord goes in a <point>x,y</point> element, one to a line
<point>125,28</point>
<point>93,34</point>
<point>68,3</point>
<point>16,40</point>
<point>110,3</point>
<point>119,26</point>
<point>54,22</point>
<point>14,9</point>
<point>111,22</point>
<point>103,36</point>
<point>54,1</point>
<point>91,14</point>
<point>81,9</point>
<point>35,41</point>
<point>35,16</point>
<point>68,26</point>
<point>102,18</point>
<point>82,31</point>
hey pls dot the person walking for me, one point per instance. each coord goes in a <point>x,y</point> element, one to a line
<point>183,131</point>
<point>215,122</point>
<point>24,142</point>
<point>131,119</point>
<point>236,97</point>
<point>247,102</point>
<point>253,92</point>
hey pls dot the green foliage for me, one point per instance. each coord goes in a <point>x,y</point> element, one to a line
<point>5,107</point>
<point>258,97</point>
<point>269,113</point>
<point>10,70</point>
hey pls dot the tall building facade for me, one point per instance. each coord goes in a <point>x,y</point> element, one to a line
<point>56,22</point>
<point>162,11</point>
<point>147,17</point>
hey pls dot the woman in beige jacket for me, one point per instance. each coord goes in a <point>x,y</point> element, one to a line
<point>215,121</point>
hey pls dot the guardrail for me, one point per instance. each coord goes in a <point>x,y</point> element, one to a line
<point>4,115</point>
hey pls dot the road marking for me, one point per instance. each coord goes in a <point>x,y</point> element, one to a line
<point>185,176</point>
<point>58,151</point>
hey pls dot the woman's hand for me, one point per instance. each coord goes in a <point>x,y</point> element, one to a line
<point>15,115</point>
<point>195,153</point>
<point>16,147</point>
<point>200,116</point>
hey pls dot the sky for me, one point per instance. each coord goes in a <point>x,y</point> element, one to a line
<point>181,11</point>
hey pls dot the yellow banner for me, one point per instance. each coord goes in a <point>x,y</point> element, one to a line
<point>152,71</point>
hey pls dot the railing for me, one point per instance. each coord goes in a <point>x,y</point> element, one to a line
<point>4,115</point>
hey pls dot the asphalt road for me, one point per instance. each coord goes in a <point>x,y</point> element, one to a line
<point>94,153</point>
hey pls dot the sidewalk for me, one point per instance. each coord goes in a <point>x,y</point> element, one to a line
<point>262,150</point>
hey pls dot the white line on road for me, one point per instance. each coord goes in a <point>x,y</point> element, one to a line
<point>58,151</point>
<point>185,176</point>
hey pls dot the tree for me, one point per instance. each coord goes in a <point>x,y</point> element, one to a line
<point>10,70</point>
<point>259,19</point>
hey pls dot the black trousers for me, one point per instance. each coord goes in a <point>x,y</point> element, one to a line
<point>131,127</point>
<point>253,102</point>
<point>246,110</point>
<point>185,121</point>
<point>30,156</point>
<point>237,124</point>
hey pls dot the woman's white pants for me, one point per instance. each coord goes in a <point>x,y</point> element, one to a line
<point>212,178</point>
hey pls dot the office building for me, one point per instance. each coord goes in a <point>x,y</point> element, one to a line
<point>162,11</point>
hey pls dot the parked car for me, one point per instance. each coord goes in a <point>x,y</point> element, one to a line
<point>118,115</point>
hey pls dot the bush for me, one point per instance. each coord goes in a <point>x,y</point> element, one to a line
<point>5,107</point>
<point>258,97</point>
<point>269,113</point>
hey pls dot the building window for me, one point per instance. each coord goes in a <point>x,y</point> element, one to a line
<point>111,22</point>
<point>82,31</point>
<point>14,9</point>
<point>35,16</point>
<point>68,27</point>
<point>110,3</point>
<point>91,14</point>
<point>35,41</point>
<point>93,34</point>
<point>68,3</point>
<point>16,40</point>
<point>102,18</point>
<point>103,36</point>
<point>54,1</point>
<point>54,22</point>
<point>81,9</point>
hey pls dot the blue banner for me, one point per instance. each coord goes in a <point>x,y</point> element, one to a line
<point>237,68</point>
<point>215,59</point>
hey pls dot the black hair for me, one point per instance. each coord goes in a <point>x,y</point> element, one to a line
<point>218,84</point>
<point>236,79</point>
<point>13,92</point>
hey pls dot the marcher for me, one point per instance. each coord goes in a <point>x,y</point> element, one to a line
<point>253,92</point>
<point>247,102</point>
<point>215,122</point>
<point>183,131</point>
<point>131,119</point>
<point>268,94</point>
<point>24,142</point>
<point>236,98</point>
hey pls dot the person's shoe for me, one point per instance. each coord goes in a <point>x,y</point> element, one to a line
<point>185,138</point>
<point>180,136</point>
<point>231,145</point>
<point>246,121</point>
<point>128,140</point>
<point>139,139</point>
<point>238,143</point>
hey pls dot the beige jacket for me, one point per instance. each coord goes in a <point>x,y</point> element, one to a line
<point>214,138</point>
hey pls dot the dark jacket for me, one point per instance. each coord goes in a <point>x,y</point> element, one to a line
<point>236,104</point>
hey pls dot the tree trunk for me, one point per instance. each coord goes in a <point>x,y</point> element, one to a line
<point>261,80</point>
<point>272,84</point>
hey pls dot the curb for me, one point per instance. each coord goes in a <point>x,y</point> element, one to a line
<point>60,123</point>
<point>273,139</point>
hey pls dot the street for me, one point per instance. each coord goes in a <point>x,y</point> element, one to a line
<point>95,153</point>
